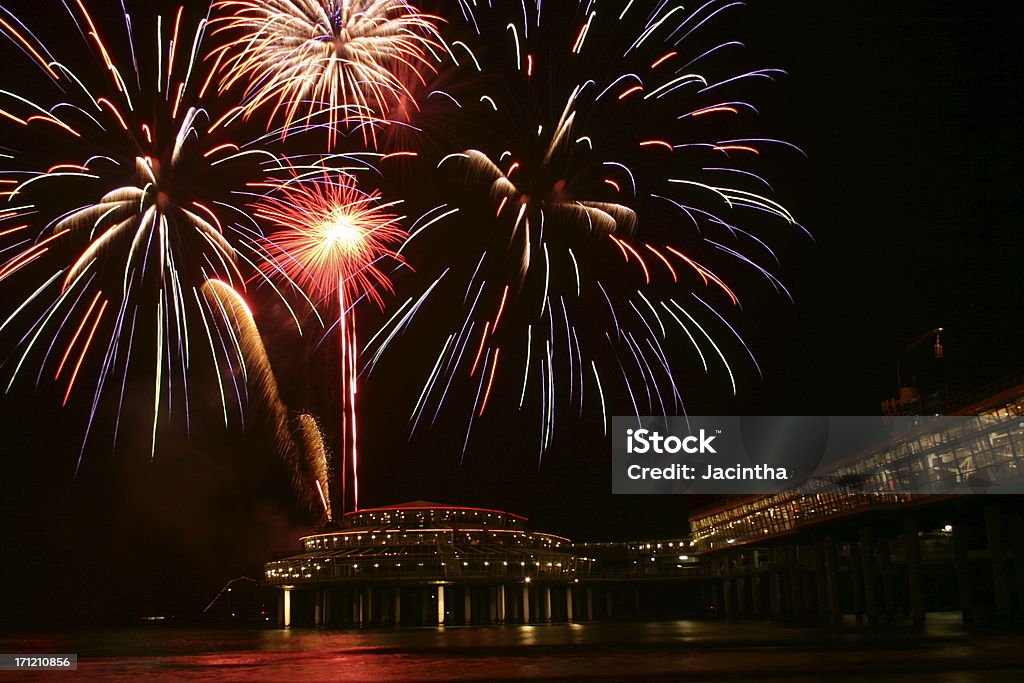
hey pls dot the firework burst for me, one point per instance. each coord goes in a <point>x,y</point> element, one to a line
<point>332,238</point>
<point>116,219</point>
<point>310,61</point>
<point>619,192</point>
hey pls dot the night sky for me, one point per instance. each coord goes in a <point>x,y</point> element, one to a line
<point>910,113</point>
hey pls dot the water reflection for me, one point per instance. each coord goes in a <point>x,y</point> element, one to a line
<point>696,650</point>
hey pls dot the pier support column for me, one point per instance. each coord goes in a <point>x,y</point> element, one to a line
<point>756,587</point>
<point>608,601</point>
<point>568,603</point>
<point>913,543</point>
<point>590,603</point>
<point>547,604</point>
<point>754,584</point>
<point>996,538</point>
<point>774,584</point>
<point>1015,530</point>
<point>888,587</point>
<point>468,607</point>
<point>318,609</point>
<point>867,562</point>
<point>857,581</point>
<point>526,603</point>
<point>500,600</point>
<point>795,584</point>
<point>832,579</point>
<point>360,607</point>
<point>368,616</point>
<point>440,604</point>
<point>963,572</point>
<point>820,577</point>
<point>286,608</point>
<point>396,615</point>
<point>775,593</point>
<point>755,594</point>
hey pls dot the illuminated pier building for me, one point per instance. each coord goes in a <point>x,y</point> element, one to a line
<point>829,550</point>
<point>426,563</point>
<point>819,551</point>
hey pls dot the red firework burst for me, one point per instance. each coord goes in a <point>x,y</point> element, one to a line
<point>331,237</point>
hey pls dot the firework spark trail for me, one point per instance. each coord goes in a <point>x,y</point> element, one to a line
<point>644,158</point>
<point>346,61</point>
<point>317,457</point>
<point>332,238</point>
<point>238,317</point>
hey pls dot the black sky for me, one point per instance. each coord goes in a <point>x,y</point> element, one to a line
<point>910,113</point>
